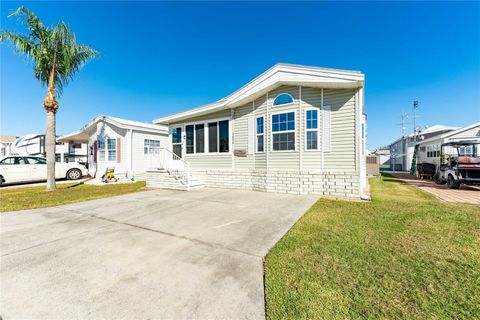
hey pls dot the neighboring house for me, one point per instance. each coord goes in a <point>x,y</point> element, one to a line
<point>293,129</point>
<point>130,147</point>
<point>34,145</point>
<point>383,157</point>
<point>401,150</point>
<point>429,149</point>
<point>5,145</point>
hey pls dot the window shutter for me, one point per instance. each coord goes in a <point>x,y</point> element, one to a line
<point>251,135</point>
<point>95,149</point>
<point>119,151</point>
<point>326,128</point>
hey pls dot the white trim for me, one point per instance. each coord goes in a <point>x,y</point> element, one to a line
<point>300,125</point>
<point>323,147</point>
<point>267,142</point>
<point>279,74</point>
<point>206,136</point>
<point>283,104</point>
<point>262,134</point>
<point>305,130</point>
<point>294,111</point>
<point>323,128</point>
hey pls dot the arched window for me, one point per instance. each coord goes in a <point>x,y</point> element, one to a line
<point>282,98</point>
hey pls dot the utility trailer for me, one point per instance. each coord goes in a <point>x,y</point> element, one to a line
<point>459,164</point>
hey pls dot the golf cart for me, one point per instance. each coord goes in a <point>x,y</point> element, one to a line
<point>459,163</point>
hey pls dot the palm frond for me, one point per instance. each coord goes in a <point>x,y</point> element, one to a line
<point>21,43</point>
<point>32,22</point>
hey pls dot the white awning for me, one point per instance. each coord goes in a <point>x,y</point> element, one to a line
<point>75,137</point>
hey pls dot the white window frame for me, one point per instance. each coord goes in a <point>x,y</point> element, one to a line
<point>317,129</point>
<point>284,131</point>
<point>151,148</point>
<point>284,104</point>
<point>108,150</point>
<point>102,151</point>
<point>259,134</point>
<point>206,134</point>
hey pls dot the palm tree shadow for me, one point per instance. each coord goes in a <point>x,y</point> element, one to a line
<point>81,183</point>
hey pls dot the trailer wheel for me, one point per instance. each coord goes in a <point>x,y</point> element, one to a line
<point>451,183</point>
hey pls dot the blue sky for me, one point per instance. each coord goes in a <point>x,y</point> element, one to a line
<point>159,58</point>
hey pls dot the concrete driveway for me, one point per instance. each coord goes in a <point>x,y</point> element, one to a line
<point>154,254</point>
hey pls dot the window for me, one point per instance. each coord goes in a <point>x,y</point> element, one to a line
<point>199,138</point>
<point>13,160</point>
<point>189,133</point>
<point>213,137</point>
<point>101,149</point>
<point>112,149</point>
<point>32,160</point>
<point>260,134</point>
<point>311,127</point>
<point>218,137</point>
<point>224,140</point>
<point>151,146</point>
<point>283,131</point>
<point>283,98</point>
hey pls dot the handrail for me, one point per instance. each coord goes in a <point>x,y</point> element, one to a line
<point>186,164</point>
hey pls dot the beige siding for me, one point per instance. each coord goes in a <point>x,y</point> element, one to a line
<point>240,135</point>
<point>342,155</point>
<point>311,98</point>
<point>284,160</point>
<point>219,160</point>
<point>340,158</point>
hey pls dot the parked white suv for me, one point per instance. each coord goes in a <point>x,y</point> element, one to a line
<point>23,169</point>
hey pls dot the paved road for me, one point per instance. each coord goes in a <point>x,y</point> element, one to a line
<point>154,254</point>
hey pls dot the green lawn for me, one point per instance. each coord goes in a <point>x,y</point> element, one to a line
<point>405,255</point>
<point>12,199</point>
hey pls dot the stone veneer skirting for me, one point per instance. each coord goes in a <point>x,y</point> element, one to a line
<point>336,184</point>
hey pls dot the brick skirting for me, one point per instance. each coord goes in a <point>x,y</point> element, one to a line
<point>336,184</point>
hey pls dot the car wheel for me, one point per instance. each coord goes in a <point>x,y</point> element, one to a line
<point>451,183</point>
<point>1,180</point>
<point>74,174</point>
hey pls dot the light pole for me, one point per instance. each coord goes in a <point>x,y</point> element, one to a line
<point>415,106</point>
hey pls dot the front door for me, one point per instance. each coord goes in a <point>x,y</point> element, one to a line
<point>177,142</point>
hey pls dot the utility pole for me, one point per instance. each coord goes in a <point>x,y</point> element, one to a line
<point>415,106</point>
<point>404,122</point>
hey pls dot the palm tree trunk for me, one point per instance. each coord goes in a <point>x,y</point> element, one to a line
<point>51,105</point>
<point>50,145</point>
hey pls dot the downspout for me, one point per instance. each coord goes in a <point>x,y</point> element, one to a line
<point>323,133</point>
<point>301,128</point>
<point>255,135</point>
<point>267,140</point>
<point>130,153</point>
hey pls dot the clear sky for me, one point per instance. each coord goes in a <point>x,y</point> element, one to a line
<point>159,58</point>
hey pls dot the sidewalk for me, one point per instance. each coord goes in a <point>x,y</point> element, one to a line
<point>466,194</point>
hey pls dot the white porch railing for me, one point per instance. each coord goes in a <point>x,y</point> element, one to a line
<point>167,160</point>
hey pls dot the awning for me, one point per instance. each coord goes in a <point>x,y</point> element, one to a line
<point>75,137</point>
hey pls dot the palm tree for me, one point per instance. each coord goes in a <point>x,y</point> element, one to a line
<point>57,57</point>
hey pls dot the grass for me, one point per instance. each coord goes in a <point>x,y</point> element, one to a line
<point>12,199</point>
<point>405,255</point>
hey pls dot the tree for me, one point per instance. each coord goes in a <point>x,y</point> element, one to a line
<point>56,57</point>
